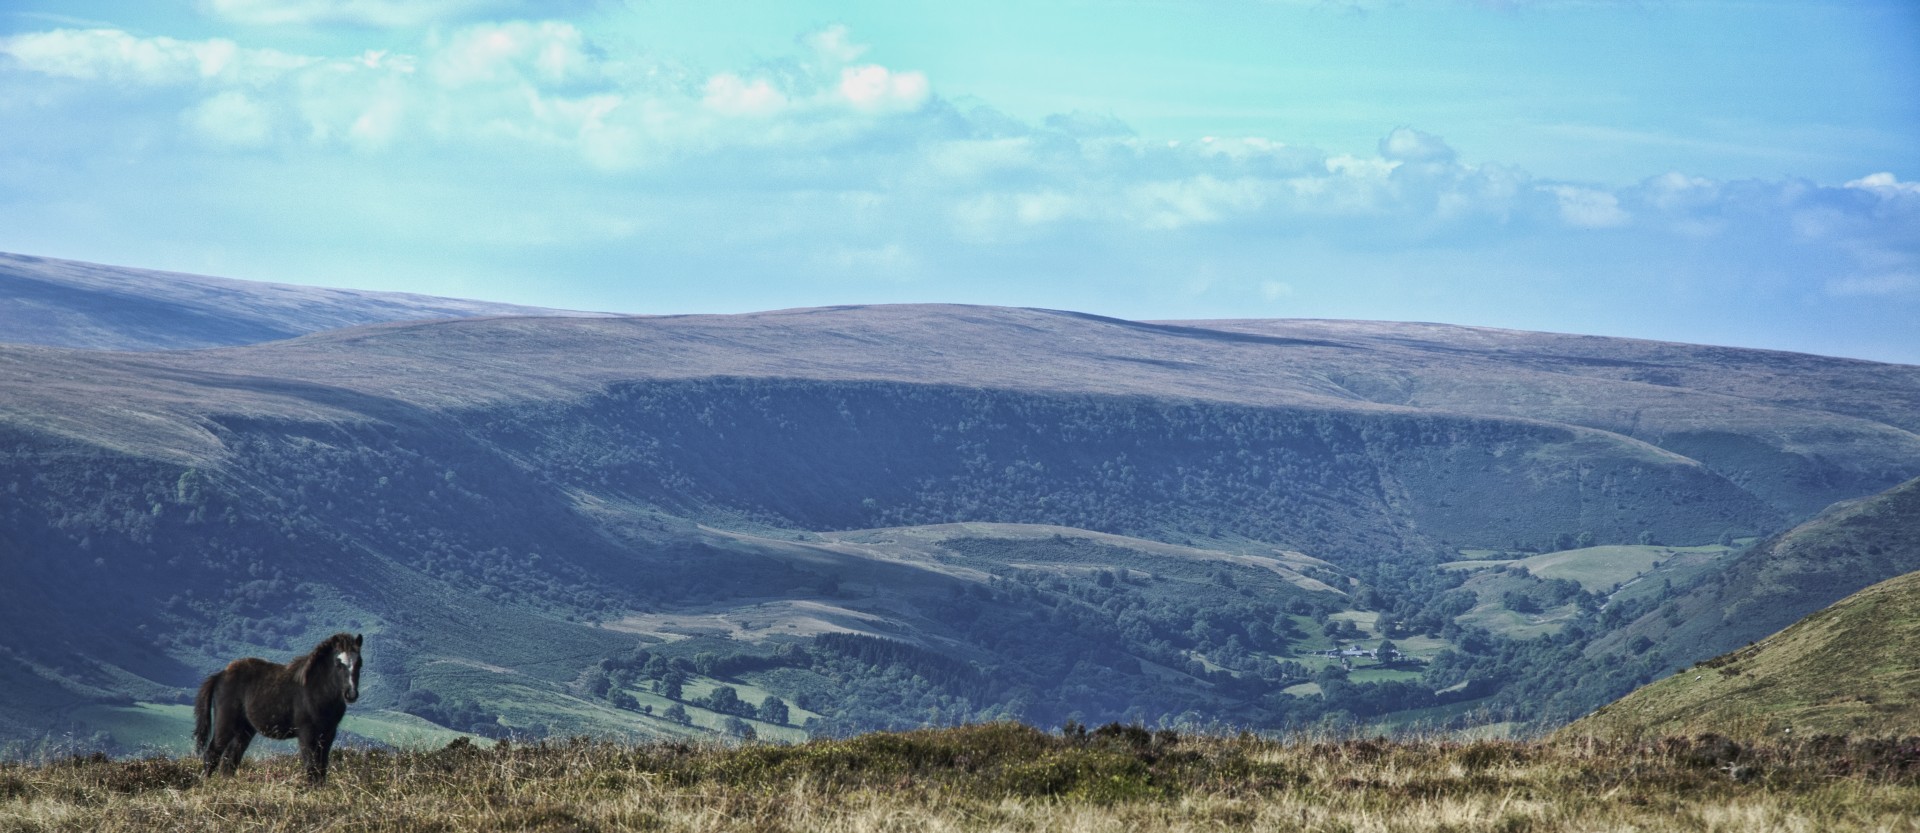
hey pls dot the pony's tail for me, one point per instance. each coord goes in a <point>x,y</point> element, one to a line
<point>203,711</point>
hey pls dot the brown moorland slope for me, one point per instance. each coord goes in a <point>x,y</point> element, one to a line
<point>1849,669</point>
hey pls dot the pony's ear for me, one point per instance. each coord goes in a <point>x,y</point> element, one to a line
<point>359,639</point>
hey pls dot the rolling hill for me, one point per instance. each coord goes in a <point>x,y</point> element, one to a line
<point>70,303</point>
<point>895,516</point>
<point>1848,669</point>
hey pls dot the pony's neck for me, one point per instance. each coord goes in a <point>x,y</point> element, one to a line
<point>320,676</point>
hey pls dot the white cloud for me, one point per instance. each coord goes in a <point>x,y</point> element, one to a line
<point>231,118</point>
<point>1203,199</point>
<point>499,88</point>
<point>835,45</point>
<point>1360,167</point>
<point>963,159</point>
<point>1349,187</point>
<point>731,95</point>
<point>548,53</point>
<point>378,123</point>
<point>872,87</point>
<point>996,217</point>
<point>1690,204</point>
<point>1886,185</point>
<point>113,56</point>
<point>1589,207</point>
<point>369,103</point>
<point>1675,190</point>
<point>1044,207</point>
<point>1406,144</point>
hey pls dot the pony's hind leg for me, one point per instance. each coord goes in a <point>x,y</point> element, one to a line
<point>236,748</point>
<point>211,753</point>
<point>220,742</point>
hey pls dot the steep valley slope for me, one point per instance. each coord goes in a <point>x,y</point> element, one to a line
<point>1848,669</point>
<point>1802,570</point>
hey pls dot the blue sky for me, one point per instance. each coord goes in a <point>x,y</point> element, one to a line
<point>1744,172</point>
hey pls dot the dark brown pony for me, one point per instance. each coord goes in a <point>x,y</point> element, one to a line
<point>305,698</point>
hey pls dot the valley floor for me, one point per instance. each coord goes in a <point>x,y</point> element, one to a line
<point>1007,777</point>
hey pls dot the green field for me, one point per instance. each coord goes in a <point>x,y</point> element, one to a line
<point>1678,571</point>
<point>1499,620</point>
<point>699,687</point>
<point>1375,675</point>
<point>1421,647</point>
<point>1365,620</point>
<point>1597,569</point>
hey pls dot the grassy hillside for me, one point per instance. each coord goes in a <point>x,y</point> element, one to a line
<point>1850,669</point>
<point>890,517</point>
<point>1005,777</point>
<point>67,303</point>
<point>1782,579</point>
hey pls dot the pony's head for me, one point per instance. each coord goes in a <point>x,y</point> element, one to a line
<point>336,662</point>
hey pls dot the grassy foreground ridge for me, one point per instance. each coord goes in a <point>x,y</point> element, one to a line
<point>1007,777</point>
<point>1848,669</point>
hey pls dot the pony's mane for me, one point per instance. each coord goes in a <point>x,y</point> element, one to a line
<point>325,651</point>
<point>331,645</point>
<point>322,654</point>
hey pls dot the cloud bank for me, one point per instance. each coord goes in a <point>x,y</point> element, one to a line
<point>830,175</point>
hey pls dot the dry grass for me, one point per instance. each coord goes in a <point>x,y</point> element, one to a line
<point>1007,778</point>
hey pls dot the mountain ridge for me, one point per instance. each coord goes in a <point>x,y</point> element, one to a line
<point>535,479</point>
<point>1765,430</point>
<point>69,303</point>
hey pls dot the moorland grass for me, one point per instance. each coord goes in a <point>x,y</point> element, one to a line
<point>1006,777</point>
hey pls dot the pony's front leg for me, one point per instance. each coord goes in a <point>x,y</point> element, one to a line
<point>324,753</point>
<point>316,747</point>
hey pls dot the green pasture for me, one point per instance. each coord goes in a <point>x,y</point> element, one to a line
<point>1597,569</point>
<point>1496,619</point>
